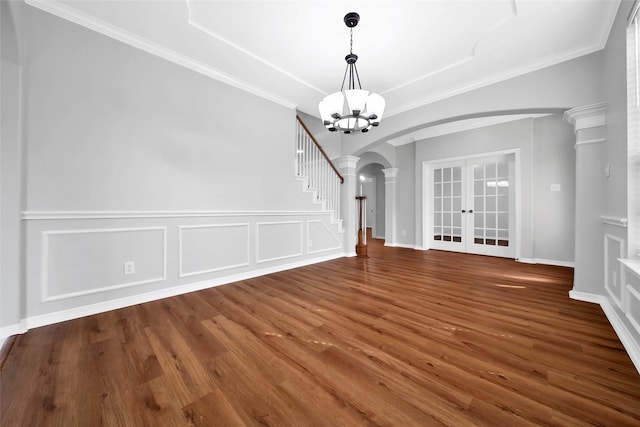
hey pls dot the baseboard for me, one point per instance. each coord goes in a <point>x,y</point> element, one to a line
<point>547,262</point>
<point>88,310</point>
<point>9,330</point>
<point>400,245</point>
<point>626,338</point>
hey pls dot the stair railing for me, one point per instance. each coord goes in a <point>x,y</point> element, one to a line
<point>313,164</point>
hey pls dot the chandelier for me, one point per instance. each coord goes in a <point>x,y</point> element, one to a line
<point>351,110</point>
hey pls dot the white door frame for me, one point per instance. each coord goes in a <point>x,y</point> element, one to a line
<point>427,196</point>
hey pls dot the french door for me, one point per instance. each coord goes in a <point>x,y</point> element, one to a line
<point>472,205</point>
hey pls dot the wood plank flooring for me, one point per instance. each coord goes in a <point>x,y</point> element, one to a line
<point>404,338</point>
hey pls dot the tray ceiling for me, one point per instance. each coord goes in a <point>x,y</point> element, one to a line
<point>411,52</point>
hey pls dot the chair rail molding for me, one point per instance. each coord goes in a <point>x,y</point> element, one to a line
<point>615,220</point>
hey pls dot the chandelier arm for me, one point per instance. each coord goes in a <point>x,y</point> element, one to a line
<point>354,83</point>
<point>351,82</point>
<point>344,78</point>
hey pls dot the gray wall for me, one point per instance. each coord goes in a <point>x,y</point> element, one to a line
<point>516,134</point>
<point>111,127</point>
<point>406,195</point>
<point>566,85</point>
<point>554,161</point>
<point>614,78</point>
<point>128,157</point>
<point>10,168</point>
<point>616,238</point>
<point>546,154</point>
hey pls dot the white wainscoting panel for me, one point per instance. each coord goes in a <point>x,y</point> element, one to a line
<point>320,238</point>
<point>81,262</point>
<point>74,261</point>
<point>278,240</point>
<point>613,251</point>
<point>632,297</point>
<point>212,247</point>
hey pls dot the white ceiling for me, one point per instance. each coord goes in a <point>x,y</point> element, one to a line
<point>411,52</point>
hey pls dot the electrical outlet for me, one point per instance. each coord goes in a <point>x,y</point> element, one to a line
<point>129,268</point>
<point>404,232</point>
<point>310,243</point>
<point>555,187</point>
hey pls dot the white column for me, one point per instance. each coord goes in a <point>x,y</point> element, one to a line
<point>591,160</point>
<point>390,176</point>
<point>347,167</point>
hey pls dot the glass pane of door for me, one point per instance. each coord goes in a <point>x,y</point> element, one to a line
<point>491,206</point>
<point>447,204</point>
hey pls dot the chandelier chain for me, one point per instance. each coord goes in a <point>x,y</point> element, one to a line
<point>351,42</point>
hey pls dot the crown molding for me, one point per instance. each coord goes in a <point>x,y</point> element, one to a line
<point>588,116</point>
<point>73,15</point>
<point>598,44</point>
<point>192,20</point>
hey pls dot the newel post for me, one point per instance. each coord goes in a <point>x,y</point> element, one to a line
<point>347,167</point>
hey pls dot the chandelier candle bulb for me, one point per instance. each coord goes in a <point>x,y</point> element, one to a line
<point>354,109</point>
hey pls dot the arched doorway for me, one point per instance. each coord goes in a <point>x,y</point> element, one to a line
<point>371,183</point>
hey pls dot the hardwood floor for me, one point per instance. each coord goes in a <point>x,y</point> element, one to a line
<point>403,338</point>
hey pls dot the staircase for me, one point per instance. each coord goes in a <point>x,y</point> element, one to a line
<point>316,171</point>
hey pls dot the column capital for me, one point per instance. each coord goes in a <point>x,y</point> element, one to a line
<point>347,164</point>
<point>390,174</point>
<point>588,116</point>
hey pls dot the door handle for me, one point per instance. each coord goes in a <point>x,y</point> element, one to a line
<point>470,210</point>
<point>463,211</point>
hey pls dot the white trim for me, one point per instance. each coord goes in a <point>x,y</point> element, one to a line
<point>635,12</point>
<point>44,260</point>
<point>618,299</point>
<point>400,245</point>
<point>91,22</point>
<point>473,156</point>
<point>614,220</point>
<point>625,336</point>
<point>589,142</point>
<point>601,42</point>
<point>555,262</point>
<point>258,224</point>
<point>431,73</point>
<point>427,201</point>
<point>63,215</point>
<point>181,272</point>
<point>632,294</point>
<point>632,265</point>
<point>587,297</point>
<point>15,329</point>
<point>191,20</point>
<point>88,310</point>
<point>329,230</point>
<point>587,116</point>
